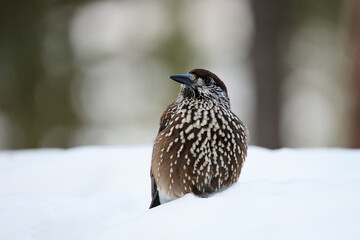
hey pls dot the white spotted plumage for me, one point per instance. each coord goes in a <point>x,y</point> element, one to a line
<point>201,148</point>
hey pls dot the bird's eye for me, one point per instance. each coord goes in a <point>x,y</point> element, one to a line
<point>208,81</point>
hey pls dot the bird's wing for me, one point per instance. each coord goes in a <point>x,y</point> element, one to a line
<point>164,122</point>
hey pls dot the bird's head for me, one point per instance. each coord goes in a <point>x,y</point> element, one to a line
<point>201,84</point>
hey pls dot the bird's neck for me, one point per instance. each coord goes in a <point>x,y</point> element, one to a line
<point>205,103</point>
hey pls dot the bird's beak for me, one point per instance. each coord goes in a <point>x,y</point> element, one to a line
<point>183,79</point>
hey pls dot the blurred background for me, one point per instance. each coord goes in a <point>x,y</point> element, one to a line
<point>84,72</point>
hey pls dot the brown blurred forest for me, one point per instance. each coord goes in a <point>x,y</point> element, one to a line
<point>96,72</point>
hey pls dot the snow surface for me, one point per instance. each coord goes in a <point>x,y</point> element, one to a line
<point>102,193</point>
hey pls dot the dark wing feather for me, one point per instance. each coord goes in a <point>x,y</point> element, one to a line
<point>154,193</point>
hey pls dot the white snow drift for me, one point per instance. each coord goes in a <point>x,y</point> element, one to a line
<point>104,193</point>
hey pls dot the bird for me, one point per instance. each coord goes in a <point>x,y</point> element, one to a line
<point>201,144</point>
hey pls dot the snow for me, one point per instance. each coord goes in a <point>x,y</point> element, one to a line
<point>104,193</point>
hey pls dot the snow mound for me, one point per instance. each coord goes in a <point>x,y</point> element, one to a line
<point>104,193</point>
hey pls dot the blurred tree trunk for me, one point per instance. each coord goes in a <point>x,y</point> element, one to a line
<point>21,53</point>
<point>34,103</point>
<point>271,20</point>
<point>353,10</point>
